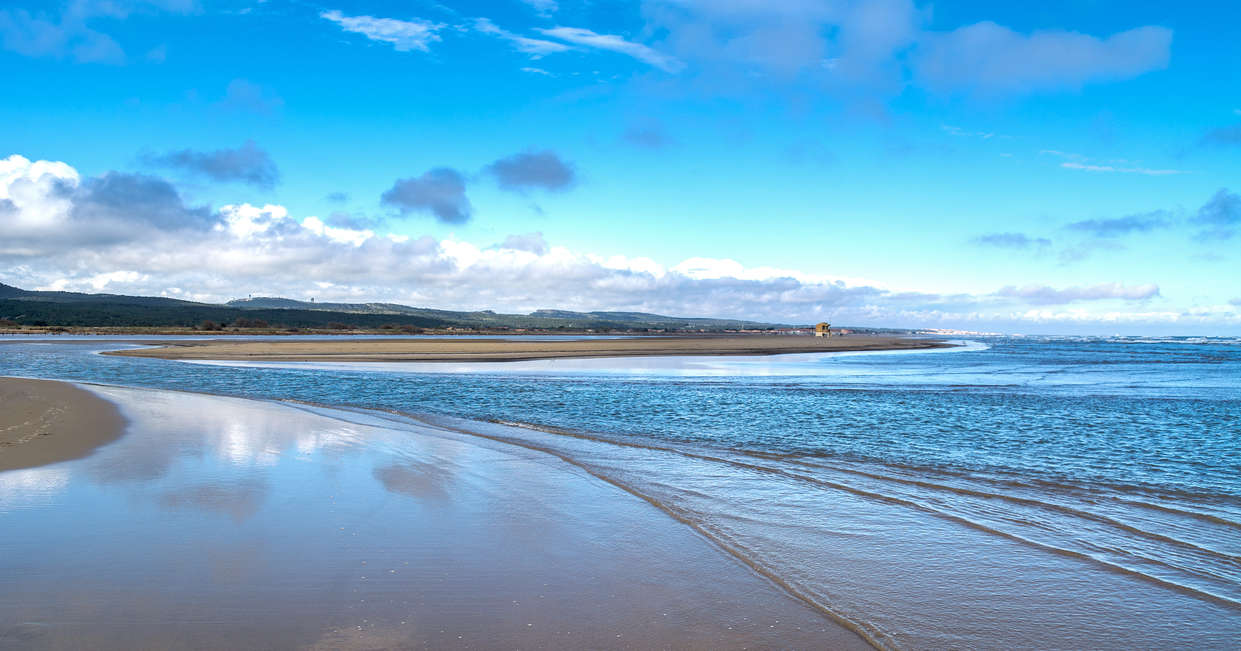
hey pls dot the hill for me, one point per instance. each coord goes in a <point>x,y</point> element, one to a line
<point>73,309</point>
<point>539,319</point>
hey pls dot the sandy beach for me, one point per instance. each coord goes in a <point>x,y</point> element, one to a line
<point>506,350</point>
<point>227,523</point>
<point>45,422</point>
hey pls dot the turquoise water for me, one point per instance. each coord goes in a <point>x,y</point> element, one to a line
<point>1016,492</point>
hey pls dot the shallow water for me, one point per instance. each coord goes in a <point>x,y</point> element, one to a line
<point>1019,492</point>
<point>225,524</point>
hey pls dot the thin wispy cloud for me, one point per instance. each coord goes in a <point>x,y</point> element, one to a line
<point>535,47</point>
<point>1120,226</point>
<point>403,35</point>
<point>1079,162</point>
<point>613,43</point>
<point>1011,241</point>
<point>1227,136</point>
<point>964,133</point>
<point>245,96</point>
<point>649,134</point>
<point>1147,171</point>
<point>72,30</point>
<point>543,7</point>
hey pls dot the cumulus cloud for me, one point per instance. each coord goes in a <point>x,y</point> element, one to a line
<point>613,43</point>
<point>1120,226</point>
<point>533,170</point>
<point>1045,295</point>
<point>532,242</point>
<point>403,35</point>
<point>440,191</point>
<point>49,207</point>
<point>1220,216</point>
<point>246,164</point>
<point>992,57</point>
<point>1011,241</point>
<point>138,200</point>
<point>133,234</point>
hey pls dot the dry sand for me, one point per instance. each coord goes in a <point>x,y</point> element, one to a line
<point>504,350</point>
<point>44,422</point>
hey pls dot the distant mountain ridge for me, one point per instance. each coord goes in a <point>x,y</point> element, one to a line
<point>10,292</point>
<point>27,307</point>
<point>544,318</point>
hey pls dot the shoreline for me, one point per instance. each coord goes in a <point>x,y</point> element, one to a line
<point>454,524</point>
<point>47,421</point>
<point>507,350</point>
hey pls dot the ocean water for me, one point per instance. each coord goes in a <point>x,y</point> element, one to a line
<point>1014,492</point>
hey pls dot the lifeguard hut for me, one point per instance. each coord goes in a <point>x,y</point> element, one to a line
<point>822,329</point>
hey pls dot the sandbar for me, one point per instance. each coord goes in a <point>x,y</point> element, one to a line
<point>507,350</point>
<point>43,421</point>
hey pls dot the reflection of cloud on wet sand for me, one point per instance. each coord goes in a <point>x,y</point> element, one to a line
<point>418,480</point>
<point>31,486</point>
<point>167,426</point>
<point>239,500</point>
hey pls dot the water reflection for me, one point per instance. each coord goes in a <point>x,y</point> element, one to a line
<point>239,500</point>
<point>232,523</point>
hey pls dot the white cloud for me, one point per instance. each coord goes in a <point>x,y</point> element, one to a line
<point>341,235</point>
<point>97,282</point>
<point>1043,294</point>
<point>404,35</point>
<point>614,43</point>
<point>247,248</point>
<point>536,48</point>
<point>37,191</point>
<point>1074,161</point>
<point>543,7</point>
<point>1089,167</point>
<point>958,131</point>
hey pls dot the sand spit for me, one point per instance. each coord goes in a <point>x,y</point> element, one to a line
<point>506,350</point>
<point>44,422</point>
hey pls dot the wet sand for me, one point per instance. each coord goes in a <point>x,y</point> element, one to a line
<point>44,422</point>
<point>228,523</point>
<point>504,350</point>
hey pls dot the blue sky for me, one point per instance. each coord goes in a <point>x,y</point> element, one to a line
<point>1065,167</point>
